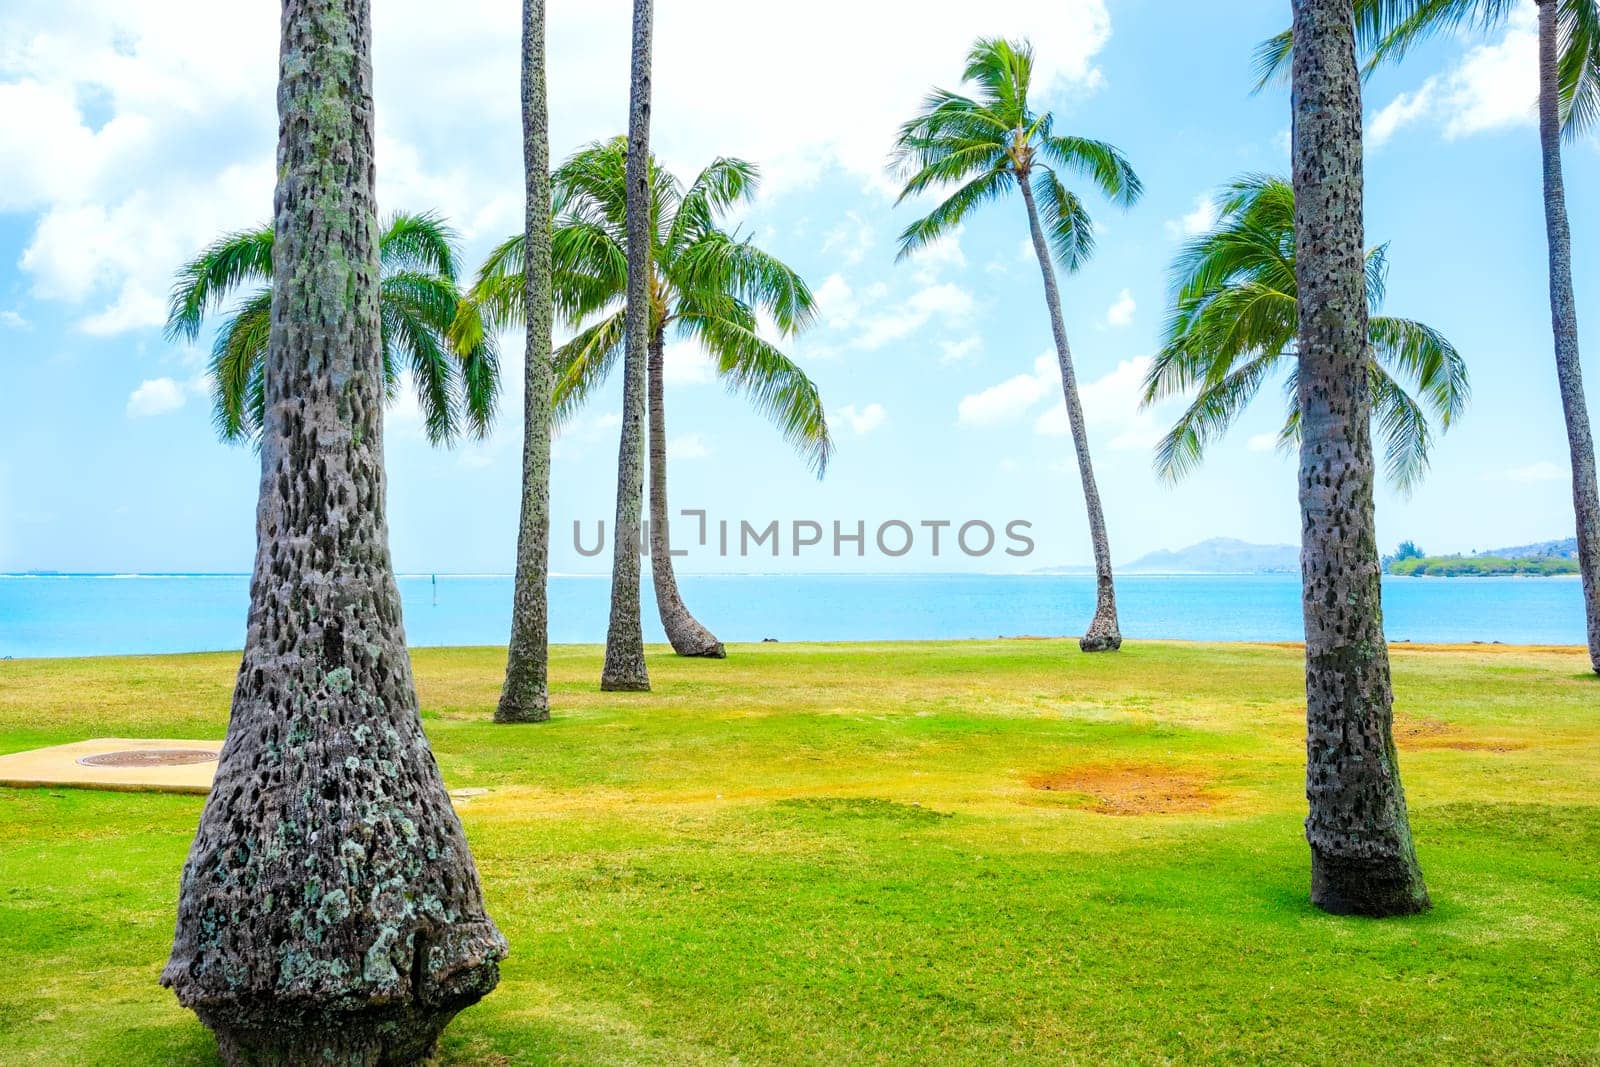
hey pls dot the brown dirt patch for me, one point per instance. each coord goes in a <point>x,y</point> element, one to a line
<point>1131,789</point>
<point>1434,734</point>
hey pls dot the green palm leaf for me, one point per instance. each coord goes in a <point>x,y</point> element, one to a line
<point>1235,318</point>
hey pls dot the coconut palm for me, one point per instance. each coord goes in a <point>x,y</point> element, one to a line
<point>525,696</point>
<point>1362,857</point>
<point>329,910</point>
<point>418,301</point>
<point>1234,326</point>
<point>1569,105</point>
<point>706,286</point>
<point>984,146</point>
<point>624,667</point>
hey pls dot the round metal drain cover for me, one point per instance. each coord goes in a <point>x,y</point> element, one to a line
<point>150,757</point>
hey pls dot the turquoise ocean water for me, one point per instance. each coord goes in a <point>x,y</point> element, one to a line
<point>91,615</point>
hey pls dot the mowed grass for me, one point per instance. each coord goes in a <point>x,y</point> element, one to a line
<point>966,852</point>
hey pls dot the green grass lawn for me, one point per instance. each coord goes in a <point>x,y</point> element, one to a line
<point>969,852</point>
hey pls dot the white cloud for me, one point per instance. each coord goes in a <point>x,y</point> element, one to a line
<point>688,446</point>
<point>850,241</point>
<point>945,300</point>
<point>931,260</point>
<point>1200,219</point>
<point>11,320</point>
<point>1120,313</point>
<point>1111,406</point>
<point>1262,442</point>
<point>1012,398</point>
<point>860,422</point>
<point>961,350</point>
<point>1110,403</point>
<point>1541,471</point>
<point>156,396</point>
<point>132,138</point>
<point>1493,87</point>
<point>686,364</point>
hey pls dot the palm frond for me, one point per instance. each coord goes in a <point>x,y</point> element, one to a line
<point>1066,221</point>
<point>772,382</point>
<point>422,243</point>
<point>1102,162</point>
<point>1208,417</point>
<point>943,219</point>
<point>238,358</point>
<point>206,281</point>
<point>584,363</point>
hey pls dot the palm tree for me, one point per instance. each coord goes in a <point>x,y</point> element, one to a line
<point>418,301</point>
<point>706,286</point>
<point>624,669</point>
<point>329,910</point>
<point>985,146</point>
<point>1362,857</point>
<point>1234,326</point>
<point>1569,104</point>
<point>525,697</point>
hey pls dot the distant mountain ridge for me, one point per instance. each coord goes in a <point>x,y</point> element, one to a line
<point>1220,555</point>
<point>1563,549</point>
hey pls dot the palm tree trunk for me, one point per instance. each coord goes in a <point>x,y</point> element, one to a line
<point>1564,318</point>
<point>1104,633</point>
<point>525,697</point>
<point>688,637</point>
<point>624,668</point>
<point>329,910</point>
<point>1362,858</point>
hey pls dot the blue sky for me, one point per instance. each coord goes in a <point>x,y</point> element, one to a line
<point>132,134</point>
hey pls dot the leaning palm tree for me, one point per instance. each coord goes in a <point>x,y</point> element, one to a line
<point>1235,323</point>
<point>1569,104</point>
<point>418,302</point>
<point>329,911</point>
<point>1362,857</point>
<point>986,145</point>
<point>706,286</point>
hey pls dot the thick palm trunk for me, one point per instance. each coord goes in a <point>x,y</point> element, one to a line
<point>1104,633</point>
<point>1362,859</point>
<point>688,637</point>
<point>525,696</point>
<point>624,666</point>
<point>329,911</point>
<point>1564,318</point>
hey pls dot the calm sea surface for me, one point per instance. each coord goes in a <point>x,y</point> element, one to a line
<point>90,615</point>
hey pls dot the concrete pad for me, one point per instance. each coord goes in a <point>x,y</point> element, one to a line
<point>159,765</point>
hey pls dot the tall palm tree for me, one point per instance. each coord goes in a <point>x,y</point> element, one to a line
<point>329,910</point>
<point>986,145</point>
<point>1569,104</point>
<point>1362,857</point>
<point>624,669</point>
<point>525,697</point>
<point>706,286</point>
<point>1234,325</point>
<point>418,302</point>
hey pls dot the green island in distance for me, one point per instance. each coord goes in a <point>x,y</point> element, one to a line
<point>1545,559</point>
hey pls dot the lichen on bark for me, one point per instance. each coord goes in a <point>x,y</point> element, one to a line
<point>329,909</point>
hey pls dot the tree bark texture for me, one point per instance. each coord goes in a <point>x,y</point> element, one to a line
<point>329,910</point>
<point>525,696</point>
<point>1564,319</point>
<point>1362,858</point>
<point>684,631</point>
<point>1104,633</point>
<point>624,668</point>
